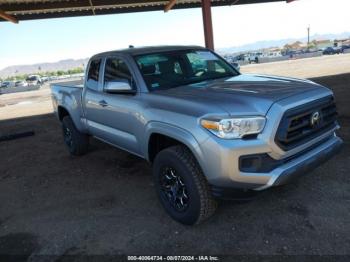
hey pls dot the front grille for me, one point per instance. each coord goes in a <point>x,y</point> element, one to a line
<point>306,122</point>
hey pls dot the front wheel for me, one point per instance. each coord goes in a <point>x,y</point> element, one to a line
<point>76,141</point>
<point>181,186</point>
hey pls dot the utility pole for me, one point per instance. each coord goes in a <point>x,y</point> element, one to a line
<point>308,37</point>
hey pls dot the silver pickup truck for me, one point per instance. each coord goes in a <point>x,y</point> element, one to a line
<point>207,129</point>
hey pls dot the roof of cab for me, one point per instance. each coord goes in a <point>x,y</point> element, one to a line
<point>148,50</point>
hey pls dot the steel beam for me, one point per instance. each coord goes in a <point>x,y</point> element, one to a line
<point>207,24</point>
<point>33,9</point>
<point>169,5</point>
<point>8,17</point>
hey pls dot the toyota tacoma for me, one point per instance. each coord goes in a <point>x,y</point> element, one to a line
<point>207,129</point>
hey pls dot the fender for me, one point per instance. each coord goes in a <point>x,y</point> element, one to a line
<point>69,102</point>
<point>174,132</point>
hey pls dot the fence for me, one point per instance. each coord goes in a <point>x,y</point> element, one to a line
<point>284,58</point>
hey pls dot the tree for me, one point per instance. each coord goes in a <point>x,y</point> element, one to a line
<point>60,73</point>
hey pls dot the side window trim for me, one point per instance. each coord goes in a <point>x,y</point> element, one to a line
<point>99,73</point>
<point>103,67</point>
<point>101,77</point>
<point>102,74</point>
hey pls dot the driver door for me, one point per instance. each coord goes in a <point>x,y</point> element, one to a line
<point>116,120</point>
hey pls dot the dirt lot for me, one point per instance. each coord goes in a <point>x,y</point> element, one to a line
<point>304,68</point>
<point>105,203</point>
<point>29,103</point>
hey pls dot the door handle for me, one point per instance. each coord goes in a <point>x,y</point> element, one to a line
<point>103,103</point>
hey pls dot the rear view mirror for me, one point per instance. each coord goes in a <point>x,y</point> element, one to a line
<point>118,87</point>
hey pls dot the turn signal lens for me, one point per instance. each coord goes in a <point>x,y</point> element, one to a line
<point>235,127</point>
<point>210,124</point>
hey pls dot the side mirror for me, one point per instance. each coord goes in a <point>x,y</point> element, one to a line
<point>118,87</point>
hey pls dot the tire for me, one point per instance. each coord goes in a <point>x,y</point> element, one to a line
<point>76,142</point>
<point>195,202</point>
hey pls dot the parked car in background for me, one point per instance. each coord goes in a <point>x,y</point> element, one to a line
<point>44,79</point>
<point>332,51</point>
<point>254,57</point>
<point>7,84</point>
<point>241,57</point>
<point>21,83</point>
<point>345,47</point>
<point>294,53</point>
<point>34,80</point>
<point>53,78</point>
<point>338,50</point>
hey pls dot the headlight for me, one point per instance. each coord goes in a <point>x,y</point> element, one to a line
<point>235,127</point>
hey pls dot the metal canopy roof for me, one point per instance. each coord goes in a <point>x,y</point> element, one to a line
<point>41,9</point>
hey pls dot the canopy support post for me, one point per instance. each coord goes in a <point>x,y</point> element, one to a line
<point>207,24</point>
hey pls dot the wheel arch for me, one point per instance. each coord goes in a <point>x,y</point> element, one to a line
<point>160,132</point>
<point>62,112</point>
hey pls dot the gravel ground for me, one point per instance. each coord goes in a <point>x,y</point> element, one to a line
<point>105,203</point>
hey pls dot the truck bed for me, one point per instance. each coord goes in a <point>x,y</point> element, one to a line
<point>69,95</point>
<point>72,84</point>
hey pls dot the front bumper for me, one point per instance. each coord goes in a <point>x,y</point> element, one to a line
<point>226,162</point>
<point>220,158</point>
<point>285,173</point>
<point>304,164</point>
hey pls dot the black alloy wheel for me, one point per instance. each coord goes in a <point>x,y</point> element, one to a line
<point>174,189</point>
<point>181,186</point>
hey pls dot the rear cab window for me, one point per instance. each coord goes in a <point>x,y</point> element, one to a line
<point>93,74</point>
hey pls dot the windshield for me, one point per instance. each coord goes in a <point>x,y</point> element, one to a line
<point>171,69</point>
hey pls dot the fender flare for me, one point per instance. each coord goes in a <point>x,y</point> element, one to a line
<point>174,132</point>
<point>71,105</point>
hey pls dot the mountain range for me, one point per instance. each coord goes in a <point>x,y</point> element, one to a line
<point>71,63</point>
<point>43,67</point>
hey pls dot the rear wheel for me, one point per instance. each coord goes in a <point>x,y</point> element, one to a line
<point>76,141</point>
<point>182,187</point>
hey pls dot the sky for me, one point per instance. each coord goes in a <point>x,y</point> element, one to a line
<point>51,40</point>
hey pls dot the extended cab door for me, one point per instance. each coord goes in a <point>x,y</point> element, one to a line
<point>114,116</point>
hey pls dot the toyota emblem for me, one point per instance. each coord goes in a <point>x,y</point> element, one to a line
<point>315,119</point>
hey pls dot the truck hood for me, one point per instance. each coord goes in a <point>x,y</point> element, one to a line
<point>244,94</point>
